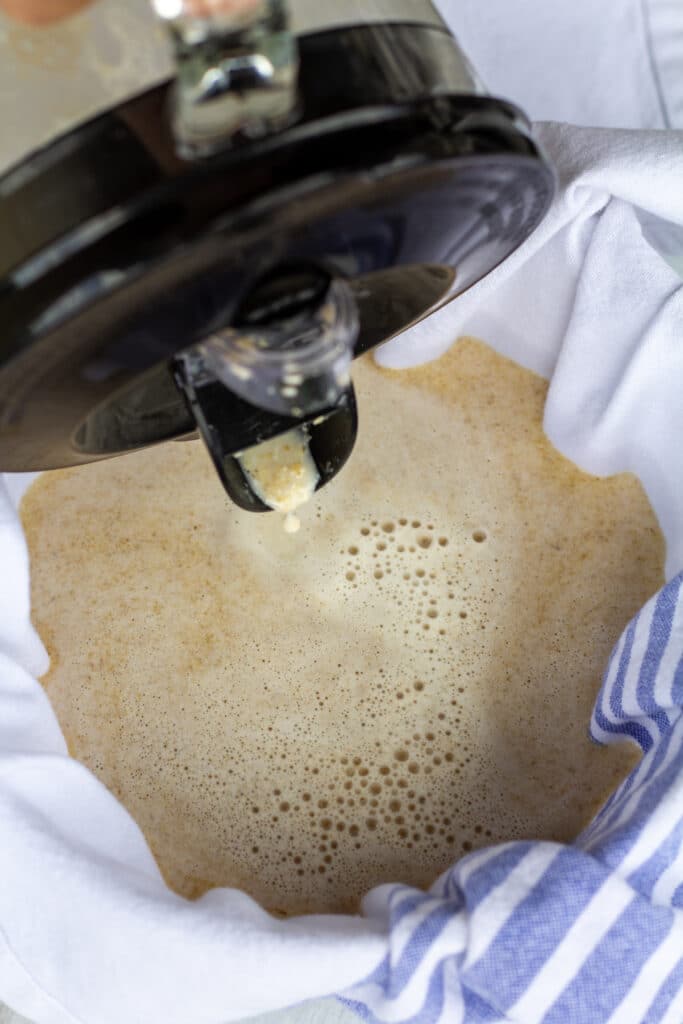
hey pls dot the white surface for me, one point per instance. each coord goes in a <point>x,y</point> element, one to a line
<point>322,1011</point>
<point>585,63</point>
<point>109,940</point>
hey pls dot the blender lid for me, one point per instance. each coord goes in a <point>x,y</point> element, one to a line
<point>116,254</point>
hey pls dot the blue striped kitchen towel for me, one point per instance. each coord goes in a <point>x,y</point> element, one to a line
<point>536,932</point>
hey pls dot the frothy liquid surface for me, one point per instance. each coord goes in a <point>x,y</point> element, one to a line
<point>408,677</point>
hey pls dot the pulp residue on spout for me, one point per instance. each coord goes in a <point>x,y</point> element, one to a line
<point>282,473</point>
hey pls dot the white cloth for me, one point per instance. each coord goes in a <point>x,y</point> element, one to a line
<point>88,930</point>
<point>609,65</point>
<point>588,302</point>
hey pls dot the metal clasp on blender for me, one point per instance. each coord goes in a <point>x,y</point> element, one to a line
<point>236,71</point>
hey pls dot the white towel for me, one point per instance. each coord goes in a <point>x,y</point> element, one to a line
<point>88,930</point>
<point>590,303</point>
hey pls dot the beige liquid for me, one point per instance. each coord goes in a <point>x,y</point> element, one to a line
<point>408,677</point>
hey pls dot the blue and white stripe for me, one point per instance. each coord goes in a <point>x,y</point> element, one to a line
<point>539,933</point>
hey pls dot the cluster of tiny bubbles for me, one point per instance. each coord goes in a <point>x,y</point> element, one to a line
<point>405,558</point>
<point>406,787</point>
<point>372,775</point>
